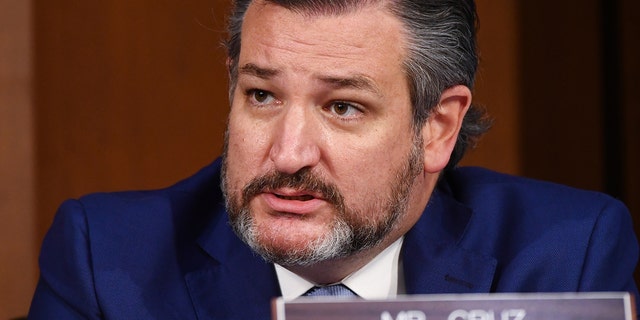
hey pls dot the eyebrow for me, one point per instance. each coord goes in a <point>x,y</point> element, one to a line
<point>256,71</point>
<point>357,81</point>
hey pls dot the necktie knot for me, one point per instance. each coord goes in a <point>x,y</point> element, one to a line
<point>335,290</point>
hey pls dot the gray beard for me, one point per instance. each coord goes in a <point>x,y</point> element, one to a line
<point>350,232</point>
<point>332,245</point>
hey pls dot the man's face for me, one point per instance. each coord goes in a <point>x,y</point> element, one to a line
<point>321,159</point>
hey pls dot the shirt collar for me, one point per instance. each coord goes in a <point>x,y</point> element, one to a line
<point>378,279</point>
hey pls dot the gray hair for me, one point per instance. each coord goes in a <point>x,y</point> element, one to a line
<point>441,47</point>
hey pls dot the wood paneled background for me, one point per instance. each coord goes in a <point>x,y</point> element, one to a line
<point>18,237</point>
<point>111,95</point>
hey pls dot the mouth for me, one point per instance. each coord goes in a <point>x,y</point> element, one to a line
<point>293,201</point>
<point>295,194</point>
<point>305,197</point>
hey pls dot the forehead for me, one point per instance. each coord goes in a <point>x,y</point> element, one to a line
<point>320,7</point>
<point>370,33</point>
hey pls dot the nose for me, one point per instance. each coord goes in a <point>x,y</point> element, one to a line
<point>295,145</point>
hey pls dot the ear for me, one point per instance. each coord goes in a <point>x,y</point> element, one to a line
<point>440,131</point>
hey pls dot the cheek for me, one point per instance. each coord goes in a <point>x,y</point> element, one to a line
<point>245,151</point>
<point>367,170</point>
<point>248,135</point>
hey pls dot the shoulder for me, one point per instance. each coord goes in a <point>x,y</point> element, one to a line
<point>204,183</point>
<point>193,195</point>
<point>117,240</point>
<point>527,207</point>
<point>546,236</point>
<point>124,226</point>
<point>556,218</point>
<point>483,188</point>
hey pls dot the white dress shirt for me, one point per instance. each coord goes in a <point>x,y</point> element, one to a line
<point>381,278</point>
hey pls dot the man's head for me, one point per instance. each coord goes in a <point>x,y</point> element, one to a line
<point>341,121</point>
<point>441,52</point>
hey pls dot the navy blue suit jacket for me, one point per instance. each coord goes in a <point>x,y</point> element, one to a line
<point>170,254</point>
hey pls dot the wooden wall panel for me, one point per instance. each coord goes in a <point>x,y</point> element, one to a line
<point>498,86</point>
<point>17,227</point>
<point>629,12</point>
<point>129,94</point>
<point>562,92</point>
<point>579,81</point>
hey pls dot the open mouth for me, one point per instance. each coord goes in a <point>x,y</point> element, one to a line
<point>305,197</point>
<point>290,201</point>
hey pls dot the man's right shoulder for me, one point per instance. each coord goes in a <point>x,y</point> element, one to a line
<point>113,244</point>
<point>199,190</point>
<point>181,211</point>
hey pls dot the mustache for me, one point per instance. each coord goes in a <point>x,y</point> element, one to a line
<point>304,180</point>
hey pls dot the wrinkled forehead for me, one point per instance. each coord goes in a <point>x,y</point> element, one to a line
<point>323,7</point>
<point>271,30</point>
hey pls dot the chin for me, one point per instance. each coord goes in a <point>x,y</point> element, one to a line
<point>291,247</point>
<point>288,236</point>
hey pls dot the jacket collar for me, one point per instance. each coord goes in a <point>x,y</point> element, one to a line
<point>434,259</point>
<point>230,281</point>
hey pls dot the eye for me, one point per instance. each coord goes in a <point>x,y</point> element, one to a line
<point>260,97</point>
<point>344,109</point>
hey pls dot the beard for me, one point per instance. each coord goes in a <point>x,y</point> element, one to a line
<point>351,230</point>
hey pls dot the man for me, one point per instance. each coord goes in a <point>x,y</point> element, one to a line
<point>347,120</point>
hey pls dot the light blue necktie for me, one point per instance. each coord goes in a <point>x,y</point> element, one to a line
<point>334,290</point>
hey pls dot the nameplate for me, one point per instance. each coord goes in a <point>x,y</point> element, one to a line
<point>497,306</point>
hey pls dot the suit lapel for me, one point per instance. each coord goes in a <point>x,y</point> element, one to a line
<point>433,259</point>
<point>230,282</point>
